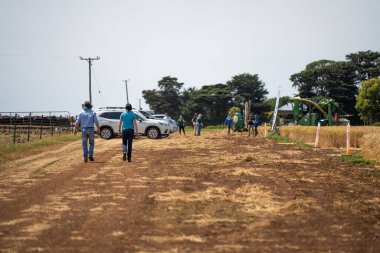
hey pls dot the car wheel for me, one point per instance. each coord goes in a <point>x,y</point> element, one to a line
<point>153,133</point>
<point>106,133</point>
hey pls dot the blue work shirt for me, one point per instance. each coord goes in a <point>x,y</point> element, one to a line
<point>228,121</point>
<point>87,118</point>
<point>127,118</point>
<point>256,121</point>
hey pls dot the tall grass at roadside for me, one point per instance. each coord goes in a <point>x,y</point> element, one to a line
<point>365,137</point>
<point>14,151</point>
<point>371,146</point>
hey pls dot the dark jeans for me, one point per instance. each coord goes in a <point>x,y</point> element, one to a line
<point>88,136</point>
<point>183,129</point>
<point>127,141</point>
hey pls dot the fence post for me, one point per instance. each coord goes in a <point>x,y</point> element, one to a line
<point>14,134</point>
<point>317,135</point>
<point>348,151</point>
<point>51,126</point>
<point>41,127</point>
<point>30,125</point>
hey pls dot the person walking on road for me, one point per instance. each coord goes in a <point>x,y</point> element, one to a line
<point>181,124</point>
<point>127,129</point>
<point>194,121</point>
<point>86,121</point>
<point>228,122</point>
<point>199,124</point>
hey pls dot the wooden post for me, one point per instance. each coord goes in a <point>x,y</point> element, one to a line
<point>51,125</point>
<point>42,118</point>
<point>348,150</point>
<point>30,125</point>
<point>317,135</point>
<point>14,134</point>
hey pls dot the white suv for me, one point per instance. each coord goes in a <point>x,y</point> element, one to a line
<point>109,117</point>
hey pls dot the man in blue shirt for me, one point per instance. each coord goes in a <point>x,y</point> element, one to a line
<point>86,120</point>
<point>128,122</point>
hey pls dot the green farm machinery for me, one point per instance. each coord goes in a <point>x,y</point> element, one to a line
<point>310,112</point>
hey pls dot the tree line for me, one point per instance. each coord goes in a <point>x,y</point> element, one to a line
<point>339,80</point>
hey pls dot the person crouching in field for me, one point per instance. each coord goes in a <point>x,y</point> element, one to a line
<point>86,120</point>
<point>181,124</point>
<point>228,122</point>
<point>128,122</point>
<point>194,121</point>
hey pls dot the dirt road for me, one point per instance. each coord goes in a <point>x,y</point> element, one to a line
<point>193,194</point>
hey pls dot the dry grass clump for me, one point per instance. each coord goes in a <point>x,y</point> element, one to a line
<point>251,198</point>
<point>174,238</point>
<point>371,146</point>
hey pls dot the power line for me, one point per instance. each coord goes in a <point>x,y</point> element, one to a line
<point>97,85</point>
<point>37,55</point>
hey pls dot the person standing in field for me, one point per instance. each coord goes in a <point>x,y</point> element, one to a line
<point>181,125</point>
<point>256,123</point>
<point>194,122</point>
<point>250,125</point>
<point>86,121</point>
<point>228,122</point>
<point>238,122</point>
<point>127,130</point>
<point>199,124</point>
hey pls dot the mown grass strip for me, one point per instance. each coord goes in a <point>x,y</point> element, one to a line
<point>357,159</point>
<point>10,152</point>
<point>283,139</point>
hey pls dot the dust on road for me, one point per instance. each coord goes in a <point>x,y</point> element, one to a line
<point>189,194</point>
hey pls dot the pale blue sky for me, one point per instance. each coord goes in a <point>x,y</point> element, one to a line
<point>200,41</point>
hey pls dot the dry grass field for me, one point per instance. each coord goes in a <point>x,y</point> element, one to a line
<point>366,138</point>
<point>189,194</point>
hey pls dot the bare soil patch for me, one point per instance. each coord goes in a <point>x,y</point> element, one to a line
<point>189,194</point>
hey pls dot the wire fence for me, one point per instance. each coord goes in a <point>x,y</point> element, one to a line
<point>21,127</point>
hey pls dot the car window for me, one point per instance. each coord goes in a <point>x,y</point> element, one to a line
<point>111,115</point>
<point>139,118</point>
<point>115,115</point>
<point>139,114</point>
<point>146,114</point>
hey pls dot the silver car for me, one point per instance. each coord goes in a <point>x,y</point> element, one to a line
<point>172,123</point>
<point>109,117</point>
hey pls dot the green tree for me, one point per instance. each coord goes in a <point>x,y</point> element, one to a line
<point>368,100</point>
<point>167,98</point>
<point>367,64</point>
<point>247,87</point>
<point>211,100</point>
<point>326,78</point>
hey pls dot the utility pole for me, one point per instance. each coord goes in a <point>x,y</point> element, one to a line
<point>140,104</point>
<point>126,88</point>
<point>89,60</point>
